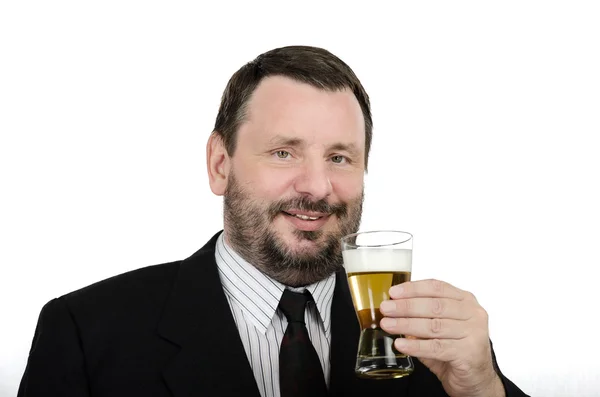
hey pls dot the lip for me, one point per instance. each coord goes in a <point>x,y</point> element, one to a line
<point>307,213</point>
<point>308,226</point>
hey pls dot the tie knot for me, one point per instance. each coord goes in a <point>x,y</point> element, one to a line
<point>292,304</point>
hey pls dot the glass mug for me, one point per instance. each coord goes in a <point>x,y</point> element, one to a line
<point>375,261</point>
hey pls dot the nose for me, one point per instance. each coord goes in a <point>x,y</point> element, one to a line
<point>314,181</point>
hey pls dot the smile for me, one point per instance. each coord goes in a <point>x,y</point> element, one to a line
<point>306,220</point>
<point>304,217</point>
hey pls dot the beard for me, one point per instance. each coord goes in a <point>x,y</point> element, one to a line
<point>250,232</point>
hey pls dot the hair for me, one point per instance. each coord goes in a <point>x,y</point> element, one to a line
<point>312,65</point>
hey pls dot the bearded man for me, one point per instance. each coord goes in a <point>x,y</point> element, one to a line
<point>288,153</point>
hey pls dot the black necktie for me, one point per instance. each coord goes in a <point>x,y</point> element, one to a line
<point>300,371</point>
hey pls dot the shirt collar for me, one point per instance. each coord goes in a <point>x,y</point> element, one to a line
<point>258,295</point>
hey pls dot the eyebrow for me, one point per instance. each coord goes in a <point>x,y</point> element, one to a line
<point>297,142</point>
<point>286,141</point>
<point>347,147</point>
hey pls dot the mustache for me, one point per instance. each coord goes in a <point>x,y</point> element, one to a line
<point>305,204</point>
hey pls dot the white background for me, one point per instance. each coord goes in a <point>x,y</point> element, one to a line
<point>485,148</point>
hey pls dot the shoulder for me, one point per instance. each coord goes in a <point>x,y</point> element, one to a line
<point>144,285</point>
<point>132,298</point>
<point>105,311</point>
<point>122,298</point>
<point>146,280</point>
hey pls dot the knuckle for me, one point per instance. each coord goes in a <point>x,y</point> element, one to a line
<point>437,285</point>
<point>473,312</point>
<point>436,347</point>
<point>437,306</point>
<point>474,345</point>
<point>406,305</point>
<point>483,313</point>
<point>436,325</point>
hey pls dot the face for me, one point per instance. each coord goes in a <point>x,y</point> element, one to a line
<point>294,185</point>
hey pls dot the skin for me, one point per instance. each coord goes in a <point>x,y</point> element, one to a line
<point>448,333</point>
<point>302,150</point>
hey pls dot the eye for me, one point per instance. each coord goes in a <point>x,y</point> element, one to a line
<point>338,159</point>
<point>282,154</point>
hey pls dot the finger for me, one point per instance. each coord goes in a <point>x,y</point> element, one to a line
<point>427,288</point>
<point>438,349</point>
<point>425,308</point>
<point>425,327</point>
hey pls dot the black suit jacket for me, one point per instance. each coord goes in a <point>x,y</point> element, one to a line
<point>167,330</point>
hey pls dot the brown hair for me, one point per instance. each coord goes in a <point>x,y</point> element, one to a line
<point>312,65</point>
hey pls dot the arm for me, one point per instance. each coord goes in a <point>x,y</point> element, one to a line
<point>56,364</point>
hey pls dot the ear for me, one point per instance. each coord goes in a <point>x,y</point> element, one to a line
<point>218,164</point>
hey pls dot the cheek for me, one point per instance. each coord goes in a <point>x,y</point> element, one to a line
<point>348,187</point>
<point>268,184</point>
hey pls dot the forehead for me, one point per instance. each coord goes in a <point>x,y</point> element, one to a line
<point>282,106</point>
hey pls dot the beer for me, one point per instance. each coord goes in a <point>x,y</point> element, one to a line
<point>369,290</point>
<point>371,273</point>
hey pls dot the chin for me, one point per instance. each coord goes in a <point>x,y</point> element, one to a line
<point>297,243</point>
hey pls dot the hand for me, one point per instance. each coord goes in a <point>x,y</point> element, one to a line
<point>448,332</point>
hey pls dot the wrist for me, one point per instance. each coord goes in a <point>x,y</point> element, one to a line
<point>491,388</point>
<point>495,389</point>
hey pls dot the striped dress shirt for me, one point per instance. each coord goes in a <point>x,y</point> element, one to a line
<point>253,298</point>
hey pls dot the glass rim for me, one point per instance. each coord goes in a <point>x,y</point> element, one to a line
<point>349,236</point>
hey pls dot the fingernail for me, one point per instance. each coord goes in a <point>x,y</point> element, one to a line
<point>400,343</point>
<point>387,307</point>
<point>387,322</point>
<point>396,291</point>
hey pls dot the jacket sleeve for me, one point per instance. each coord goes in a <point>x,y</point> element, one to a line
<point>56,363</point>
<point>510,388</point>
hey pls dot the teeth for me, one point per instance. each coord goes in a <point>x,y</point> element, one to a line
<point>306,218</point>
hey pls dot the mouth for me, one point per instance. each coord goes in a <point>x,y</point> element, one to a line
<point>306,216</point>
<point>307,221</point>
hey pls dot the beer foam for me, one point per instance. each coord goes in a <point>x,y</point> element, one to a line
<point>364,260</point>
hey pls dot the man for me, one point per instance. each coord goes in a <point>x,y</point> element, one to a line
<point>289,152</point>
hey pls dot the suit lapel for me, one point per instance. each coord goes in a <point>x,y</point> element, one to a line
<point>198,319</point>
<point>345,332</point>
